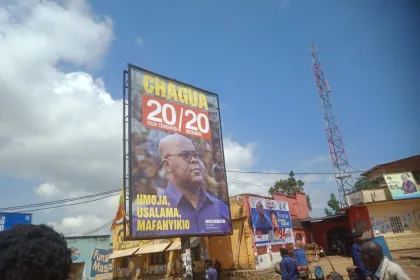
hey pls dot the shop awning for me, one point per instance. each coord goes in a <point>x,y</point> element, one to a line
<point>177,245</point>
<point>123,253</point>
<point>153,248</point>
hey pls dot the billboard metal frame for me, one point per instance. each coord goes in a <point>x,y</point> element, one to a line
<point>126,148</point>
<point>127,182</point>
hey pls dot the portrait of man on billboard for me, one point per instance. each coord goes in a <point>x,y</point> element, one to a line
<point>262,225</point>
<point>177,170</point>
<point>407,185</point>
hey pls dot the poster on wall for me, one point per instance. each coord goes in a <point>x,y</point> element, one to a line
<point>8,220</point>
<point>101,264</point>
<point>177,172</point>
<point>402,185</point>
<point>271,221</point>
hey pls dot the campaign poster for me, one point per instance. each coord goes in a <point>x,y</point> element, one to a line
<point>271,221</point>
<point>402,185</point>
<point>8,220</point>
<point>177,171</point>
<point>101,264</point>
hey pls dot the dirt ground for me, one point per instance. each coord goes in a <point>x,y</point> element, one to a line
<point>408,260</point>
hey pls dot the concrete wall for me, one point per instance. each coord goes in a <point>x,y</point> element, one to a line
<point>359,220</point>
<point>297,204</point>
<point>85,247</point>
<point>320,230</point>
<point>235,251</point>
<point>408,212</point>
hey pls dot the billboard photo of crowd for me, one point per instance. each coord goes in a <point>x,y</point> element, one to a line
<point>271,221</point>
<point>177,172</point>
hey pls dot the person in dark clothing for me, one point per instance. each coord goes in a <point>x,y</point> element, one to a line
<point>29,252</point>
<point>288,266</point>
<point>211,273</point>
<point>361,271</point>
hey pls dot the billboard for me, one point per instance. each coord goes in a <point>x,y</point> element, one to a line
<point>402,185</point>
<point>177,180</point>
<point>271,221</point>
<point>8,220</point>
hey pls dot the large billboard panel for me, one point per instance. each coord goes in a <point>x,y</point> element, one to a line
<point>8,220</point>
<point>177,171</point>
<point>402,185</point>
<point>271,221</point>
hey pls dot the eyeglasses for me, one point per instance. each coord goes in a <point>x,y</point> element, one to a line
<point>186,155</point>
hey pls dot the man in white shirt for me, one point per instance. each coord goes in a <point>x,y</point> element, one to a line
<point>381,268</point>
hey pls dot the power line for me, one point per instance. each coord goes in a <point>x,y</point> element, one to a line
<point>90,233</point>
<point>286,173</point>
<point>65,205</point>
<point>59,201</point>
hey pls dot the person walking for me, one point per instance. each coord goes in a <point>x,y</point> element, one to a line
<point>288,266</point>
<point>361,271</point>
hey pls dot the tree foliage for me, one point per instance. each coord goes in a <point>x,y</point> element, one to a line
<point>290,186</point>
<point>363,183</point>
<point>333,206</point>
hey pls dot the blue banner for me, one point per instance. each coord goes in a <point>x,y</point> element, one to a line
<point>8,220</point>
<point>271,221</point>
<point>101,263</point>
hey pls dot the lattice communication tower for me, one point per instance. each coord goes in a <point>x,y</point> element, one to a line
<point>335,142</point>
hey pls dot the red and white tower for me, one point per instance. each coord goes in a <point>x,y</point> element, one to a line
<point>335,143</point>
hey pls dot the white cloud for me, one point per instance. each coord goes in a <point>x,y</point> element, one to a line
<point>78,225</point>
<point>47,189</point>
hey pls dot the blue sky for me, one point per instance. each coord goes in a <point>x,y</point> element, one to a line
<point>255,55</point>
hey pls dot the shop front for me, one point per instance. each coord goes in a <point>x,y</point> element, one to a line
<point>160,257</point>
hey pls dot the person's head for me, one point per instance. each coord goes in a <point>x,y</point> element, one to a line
<point>284,252</point>
<point>372,254</point>
<point>218,174</point>
<point>404,178</point>
<point>218,157</point>
<point>33,252</point>
<point>181,162</point>
<point>274,219</point>
<point>260,208</point>
<point>207,263</point>
<point>356,237</point>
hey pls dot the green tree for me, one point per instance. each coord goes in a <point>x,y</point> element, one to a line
<point>290,186</point>
<point>333,206</point>
<point>363,183</point>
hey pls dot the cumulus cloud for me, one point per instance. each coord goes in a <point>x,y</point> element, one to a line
<point>47,189</point>
<point>78,225</point>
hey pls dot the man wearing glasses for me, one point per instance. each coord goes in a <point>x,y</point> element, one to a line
<point>199,211</point>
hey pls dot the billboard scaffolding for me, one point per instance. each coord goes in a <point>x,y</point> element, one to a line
<point>173,154</point>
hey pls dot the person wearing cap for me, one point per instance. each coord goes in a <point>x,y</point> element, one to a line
<point>288,266</point>
<point>361,271</point>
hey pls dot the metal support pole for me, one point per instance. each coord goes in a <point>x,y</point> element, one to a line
<point>187,268</point>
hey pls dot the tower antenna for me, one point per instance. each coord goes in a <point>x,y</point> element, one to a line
<point>335,142</point>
